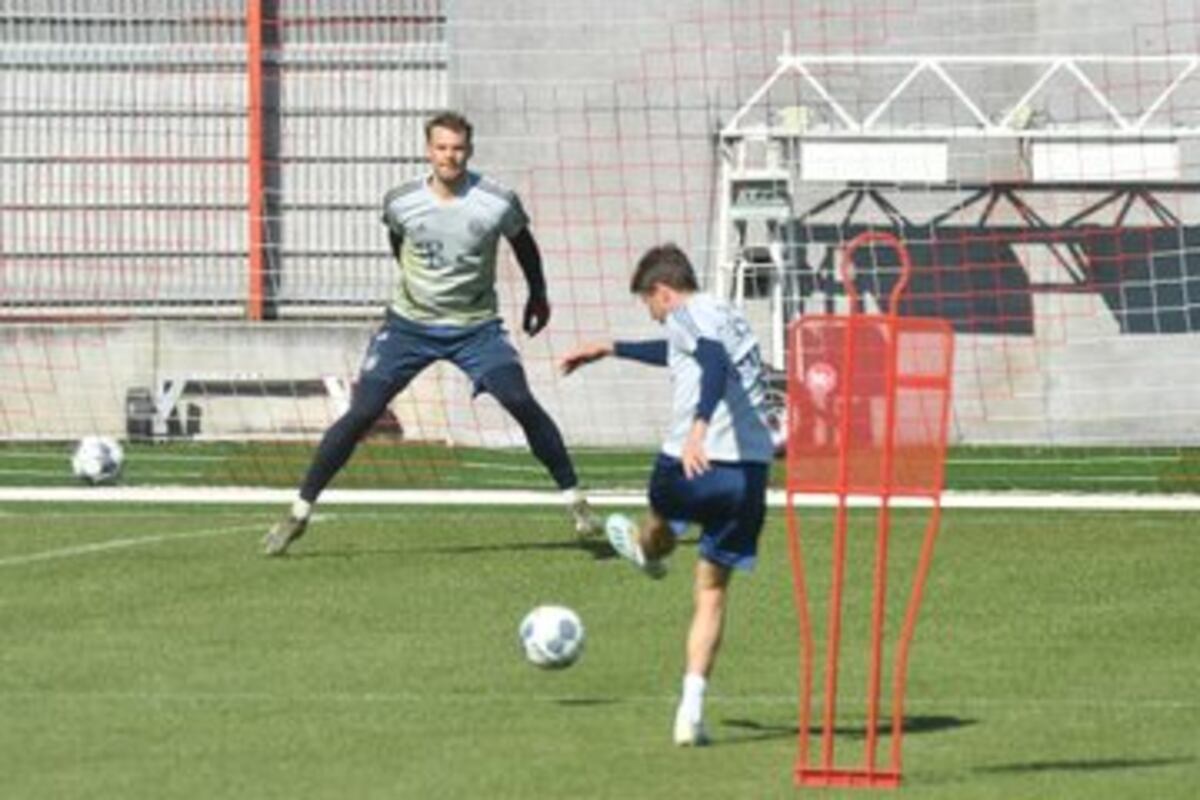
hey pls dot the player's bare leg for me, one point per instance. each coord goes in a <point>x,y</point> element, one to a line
<point>703,643</point>
<point>656,537</point>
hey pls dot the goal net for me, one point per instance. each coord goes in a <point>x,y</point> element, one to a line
<point>191,257</point>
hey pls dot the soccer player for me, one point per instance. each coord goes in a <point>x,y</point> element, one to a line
<point>444,229</point>
<point>713,466</point>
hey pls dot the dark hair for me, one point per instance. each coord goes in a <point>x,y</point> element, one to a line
<point>450,120</point>
<point>664,264</point>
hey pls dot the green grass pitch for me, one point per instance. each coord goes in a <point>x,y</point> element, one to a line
<point>150,652</point>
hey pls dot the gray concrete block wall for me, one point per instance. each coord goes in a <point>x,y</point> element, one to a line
<point>67,381</point>
<point>602,116</point>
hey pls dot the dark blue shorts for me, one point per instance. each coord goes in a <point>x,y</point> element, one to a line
<point>402,348</point>
<point>729,502</point>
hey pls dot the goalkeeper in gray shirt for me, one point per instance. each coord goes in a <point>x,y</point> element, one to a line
<point>444,230</point>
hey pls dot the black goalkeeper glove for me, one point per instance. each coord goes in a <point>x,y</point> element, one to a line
<point>537,314</point>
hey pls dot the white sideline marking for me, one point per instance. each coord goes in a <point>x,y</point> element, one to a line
<point>500,497</point>
<point>117,544</point>
<point>1064,459</point>
<point>65,456</point>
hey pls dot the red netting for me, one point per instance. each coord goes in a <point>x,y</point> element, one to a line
<point>868,402</point>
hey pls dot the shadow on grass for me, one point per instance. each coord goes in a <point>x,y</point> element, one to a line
<point>753,731</point>
<point>1083,765</point>
<point>598,549</point>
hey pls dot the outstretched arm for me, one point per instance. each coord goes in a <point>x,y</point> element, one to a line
<point>537,307</point>
<point>584,354</point>
<point>651,351</point>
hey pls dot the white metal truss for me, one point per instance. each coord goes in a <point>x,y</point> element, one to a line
<point>1011,123</point>
<point>762,156</point>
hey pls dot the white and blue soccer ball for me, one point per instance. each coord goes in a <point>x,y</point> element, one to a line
<point>97,460</point>
<point>551,637</point>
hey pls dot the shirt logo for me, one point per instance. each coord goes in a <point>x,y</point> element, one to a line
<point>430,252</point>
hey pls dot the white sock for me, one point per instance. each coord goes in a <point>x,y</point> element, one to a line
<point>572,496</point>
<point>301,508</point>
<point>692,704</point>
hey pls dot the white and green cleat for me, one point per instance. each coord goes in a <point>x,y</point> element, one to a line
<point>282,534</point>
<point>622,534</point>
<point>690,733</point>
<point>587,524</point>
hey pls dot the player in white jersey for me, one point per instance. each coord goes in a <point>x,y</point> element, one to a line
<point>714,463</point>
<point>444,231</point>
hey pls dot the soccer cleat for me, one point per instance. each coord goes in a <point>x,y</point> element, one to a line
<point>587,524</point>
<point>622,534</point>
<point>282,534</point>
<point>689,733</point>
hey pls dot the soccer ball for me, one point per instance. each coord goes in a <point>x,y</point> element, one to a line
<point>97,459</point>
<point>551,637</point>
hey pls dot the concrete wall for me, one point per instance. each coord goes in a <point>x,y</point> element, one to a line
<point>64,381</point>
<point>604,116</point>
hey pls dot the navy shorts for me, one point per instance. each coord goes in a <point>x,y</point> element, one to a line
<point>729,502</point>
<point>402,348</point>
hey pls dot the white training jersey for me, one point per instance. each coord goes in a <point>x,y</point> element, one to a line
<point>738,429</point>
<point>448,259</point>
